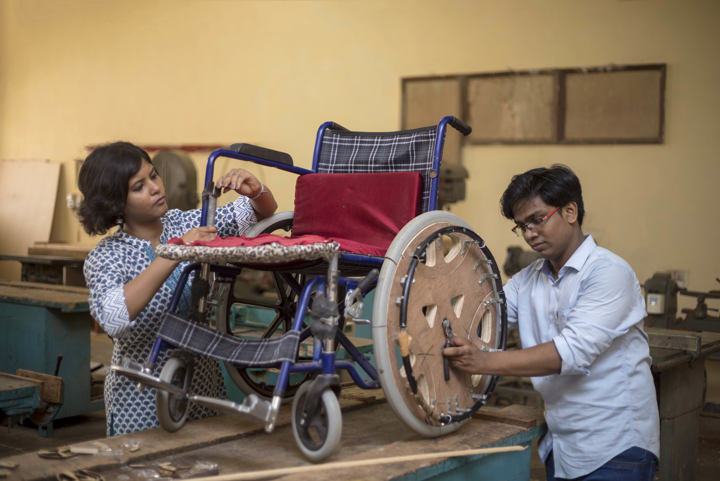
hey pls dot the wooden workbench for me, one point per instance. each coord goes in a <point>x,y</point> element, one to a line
<point>45,328</point>
<point>370,431</point>
<point>49,269</point>
<point>65,298</point>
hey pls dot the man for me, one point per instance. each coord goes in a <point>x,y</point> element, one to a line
<point>579,312</point>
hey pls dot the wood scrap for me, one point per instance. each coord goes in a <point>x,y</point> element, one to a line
<point>265,473</point>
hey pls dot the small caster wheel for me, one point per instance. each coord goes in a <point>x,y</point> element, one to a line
<point>172,409</point>
<point>317,433</point>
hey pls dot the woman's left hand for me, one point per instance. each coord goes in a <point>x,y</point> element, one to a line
<point>241,181</point>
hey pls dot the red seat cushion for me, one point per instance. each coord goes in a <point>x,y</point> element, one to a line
<point>362,212</point>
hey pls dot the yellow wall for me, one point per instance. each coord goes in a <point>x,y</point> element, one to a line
<point>80,72</point>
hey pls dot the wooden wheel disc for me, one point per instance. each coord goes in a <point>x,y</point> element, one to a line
<point>454,280</point>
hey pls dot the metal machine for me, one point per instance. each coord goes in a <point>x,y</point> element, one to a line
<point>661,298</point>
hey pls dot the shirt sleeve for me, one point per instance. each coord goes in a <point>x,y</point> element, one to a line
<point>511,296</point>
<point>608,305</point>
<point>105,280</point>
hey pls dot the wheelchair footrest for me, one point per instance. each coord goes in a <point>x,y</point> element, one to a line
<point>136,372</point>
<point>252,405</point>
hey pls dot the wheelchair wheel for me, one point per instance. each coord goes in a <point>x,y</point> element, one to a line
<point>452,277</point>
<point>272,313</point>
<point>172,409</point>
<point>320,434</point>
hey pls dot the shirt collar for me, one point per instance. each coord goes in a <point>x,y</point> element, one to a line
<point>577,259</point>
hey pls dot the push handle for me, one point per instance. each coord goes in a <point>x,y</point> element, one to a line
<point>464,128</point>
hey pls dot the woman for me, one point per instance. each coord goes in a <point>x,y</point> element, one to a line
<point>130,287</point>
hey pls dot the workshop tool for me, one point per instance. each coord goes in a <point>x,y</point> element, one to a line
<point>448,342</point>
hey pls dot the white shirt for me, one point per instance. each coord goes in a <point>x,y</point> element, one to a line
<point>603,401</point>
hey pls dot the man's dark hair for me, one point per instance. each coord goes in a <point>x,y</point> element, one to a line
<point>557,186</point>
<point>103,181</point>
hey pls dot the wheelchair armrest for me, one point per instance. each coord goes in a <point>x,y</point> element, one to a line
<point>262,153</point>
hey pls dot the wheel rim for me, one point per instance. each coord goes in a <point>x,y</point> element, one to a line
<point>252,380</point>
<point>282,303</point>
<point>468,303</point>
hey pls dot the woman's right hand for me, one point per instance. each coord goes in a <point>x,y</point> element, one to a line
<point>204,233</point>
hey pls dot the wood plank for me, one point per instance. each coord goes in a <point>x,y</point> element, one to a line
<point>372,432</point>
<point>515,414</point>
<point>10,382</point>
<point>51,387</point>
<point>42,259</point>
<point>68,298</point>
<point>74,251</point>
<point>75,290</point>
<point>19,203</point>
<point>315,468</point>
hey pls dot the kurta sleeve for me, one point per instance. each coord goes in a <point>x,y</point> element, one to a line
<point>105,278</point>
<point>231,219</point>
<point>234,218</point>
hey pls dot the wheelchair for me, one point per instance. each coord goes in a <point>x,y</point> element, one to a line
<point>365,221</point>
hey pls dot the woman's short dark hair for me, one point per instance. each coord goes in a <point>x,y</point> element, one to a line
<point>103,181</point>
<point>557,186</point>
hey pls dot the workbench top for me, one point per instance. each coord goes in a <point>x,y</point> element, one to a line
<point>42,259</point>
<point>65,298</point>
<point>370,431</point>
<point>673,347</point>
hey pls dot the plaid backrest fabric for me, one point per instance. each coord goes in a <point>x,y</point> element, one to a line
<point>344,151</point>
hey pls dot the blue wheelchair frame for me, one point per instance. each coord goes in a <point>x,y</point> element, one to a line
<point>327,337</point>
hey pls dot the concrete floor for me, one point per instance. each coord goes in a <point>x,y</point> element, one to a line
<point>20,439</point>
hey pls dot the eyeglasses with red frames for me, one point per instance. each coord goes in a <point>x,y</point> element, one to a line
<point>533,224</point>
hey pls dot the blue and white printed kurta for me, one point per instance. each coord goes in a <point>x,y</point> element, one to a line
<point>116,260</point>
